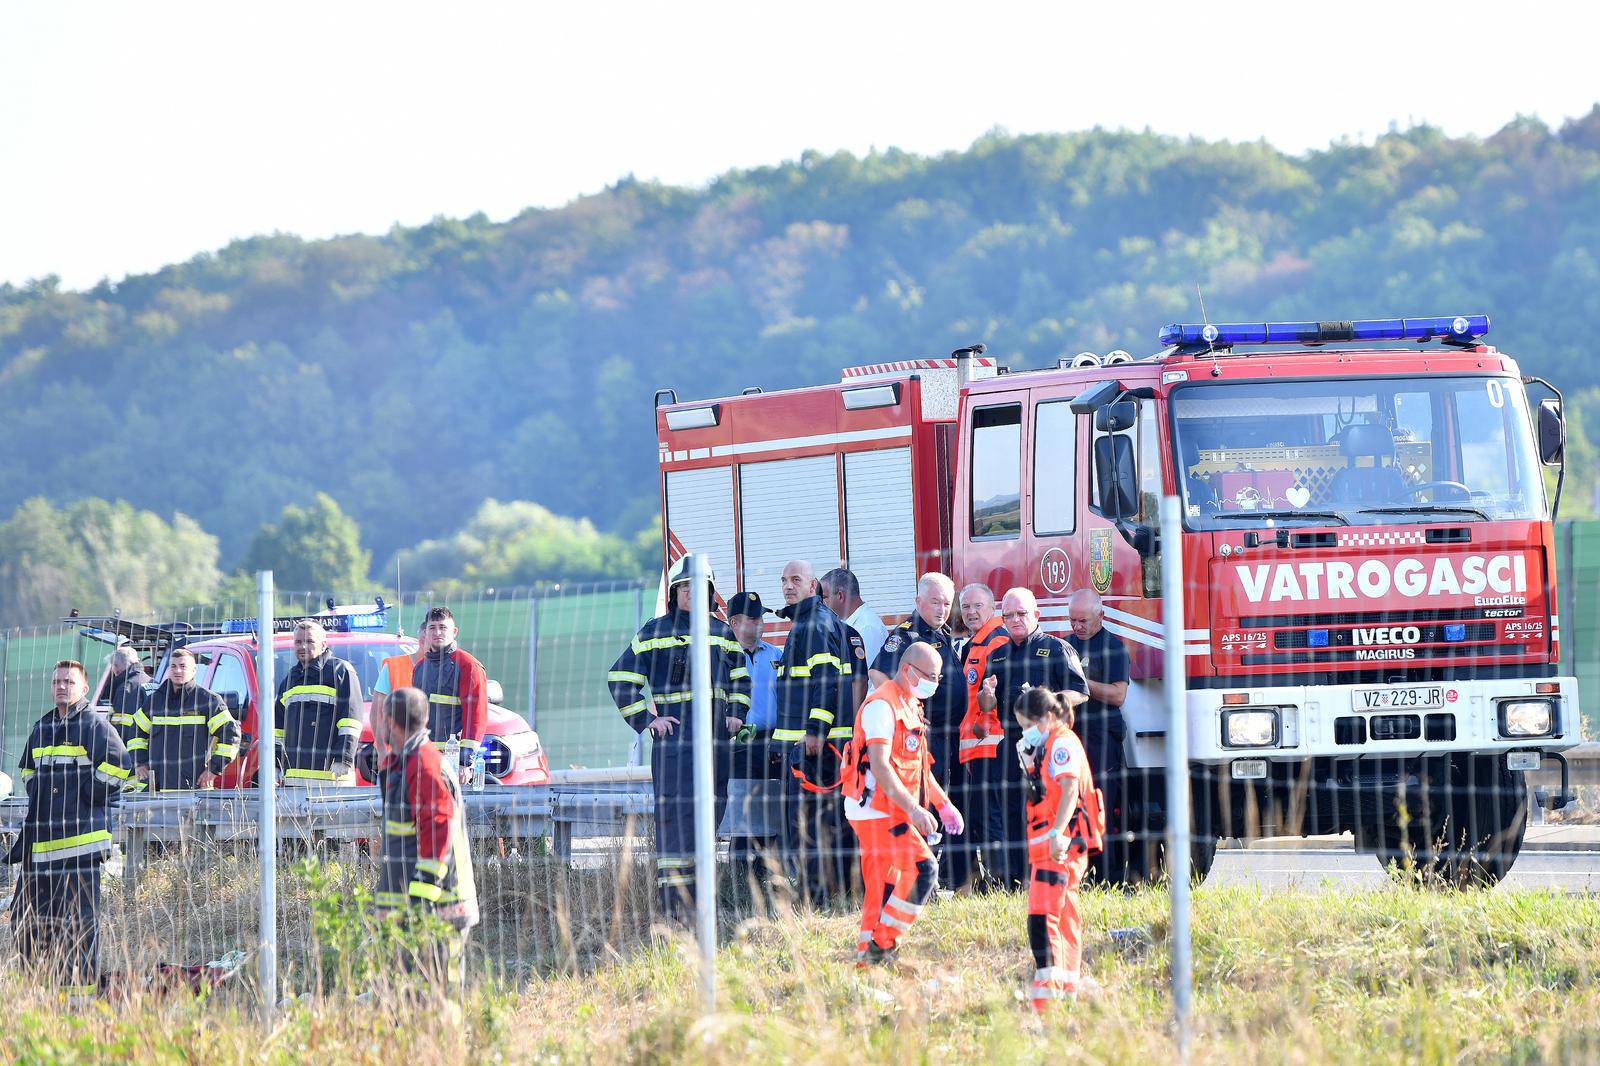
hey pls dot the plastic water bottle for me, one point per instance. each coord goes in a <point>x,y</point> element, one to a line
<point>452,752</point>
<point>480,768</point>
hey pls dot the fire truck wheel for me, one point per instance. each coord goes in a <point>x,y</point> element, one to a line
<point>1468,830</point>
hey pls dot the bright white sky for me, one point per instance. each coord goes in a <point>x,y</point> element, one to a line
<point>138,134</point>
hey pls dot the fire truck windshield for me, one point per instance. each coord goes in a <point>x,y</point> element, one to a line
<point>1362,450</point>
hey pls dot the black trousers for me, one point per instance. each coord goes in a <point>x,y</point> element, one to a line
<point>816,853</point>
<point>957,854</point>
<point>985,815</point>
<point>1011,856</point>
<point>672,779</point>
<point>57,923</point>
<point>1106,762</point>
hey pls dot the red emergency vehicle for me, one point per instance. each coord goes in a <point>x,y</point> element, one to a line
<point>1370,630</point>
<point>225,657</point>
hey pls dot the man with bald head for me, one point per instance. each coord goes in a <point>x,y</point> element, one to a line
<point>814,721</point>
<point>1099,722</point>
<point>929,624</point>
<point>1029,658</point>
<point>889,787</point>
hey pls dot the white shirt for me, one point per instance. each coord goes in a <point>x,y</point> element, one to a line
<point>877,723</point>
<point>869,624</point>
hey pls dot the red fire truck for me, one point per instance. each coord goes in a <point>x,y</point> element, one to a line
<point>1369,624</point>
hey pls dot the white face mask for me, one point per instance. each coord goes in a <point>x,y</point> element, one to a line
<point>1032,737</point>
<point>925,687</point>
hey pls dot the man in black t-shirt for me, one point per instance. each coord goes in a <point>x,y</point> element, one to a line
<point>1099,723</point>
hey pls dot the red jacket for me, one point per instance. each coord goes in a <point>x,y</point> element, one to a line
<point>458,697</point>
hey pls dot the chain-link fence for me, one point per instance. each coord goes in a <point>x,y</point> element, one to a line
<point>582,838</point>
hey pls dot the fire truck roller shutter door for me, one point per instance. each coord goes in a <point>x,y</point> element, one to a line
<point>700,514</point>
<point>788,509</point>
<point>880,539</point>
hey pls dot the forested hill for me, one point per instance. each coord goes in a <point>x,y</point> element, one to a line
<point>414,374</point>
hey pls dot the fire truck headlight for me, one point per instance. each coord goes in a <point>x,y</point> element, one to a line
<point>1254,727</point>
<point>1527,718</point>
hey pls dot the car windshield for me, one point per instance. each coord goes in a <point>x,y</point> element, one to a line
<point>365,656</point>
<point>1357,451</point>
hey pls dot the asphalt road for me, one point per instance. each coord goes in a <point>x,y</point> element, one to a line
<point>1342,870</point>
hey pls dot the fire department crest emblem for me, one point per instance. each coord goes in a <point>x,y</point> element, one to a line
<point>913,742</point>
<point>1100,559</point>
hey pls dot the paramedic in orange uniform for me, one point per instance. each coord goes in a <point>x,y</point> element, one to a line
<point>888,789</point>
<point>1064,828</point>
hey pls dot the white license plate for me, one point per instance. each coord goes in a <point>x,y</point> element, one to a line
<point>1392,698</point>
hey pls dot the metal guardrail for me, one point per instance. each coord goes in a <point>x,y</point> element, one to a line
<point>575,804</point>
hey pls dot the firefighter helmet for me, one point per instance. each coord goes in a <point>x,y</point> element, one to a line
<point>678,574</point>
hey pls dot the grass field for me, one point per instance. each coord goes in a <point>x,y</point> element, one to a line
<point>1394,977</point>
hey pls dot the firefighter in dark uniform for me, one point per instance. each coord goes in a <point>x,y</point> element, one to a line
<point>74,766</point>
<point>126,695</point>
<point>319,712</point>
<point>426,861</point>
<point>928,624</point>
<point>187,735</point>
<point>125,691</point>
<point>1031,658</point>
<point>653,688</point>
<point>815,719</point>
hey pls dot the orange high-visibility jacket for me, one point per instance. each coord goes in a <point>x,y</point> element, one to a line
<point>909,758</point>
<point>975,665</point>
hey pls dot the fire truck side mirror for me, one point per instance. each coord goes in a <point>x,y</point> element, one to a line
<point>1116,417</point>
<point>1115,477</point>
<point>1552,433</point>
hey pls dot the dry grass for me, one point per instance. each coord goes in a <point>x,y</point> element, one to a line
<point>1396,976</point>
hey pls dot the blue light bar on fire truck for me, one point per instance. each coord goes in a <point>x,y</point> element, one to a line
<point>368,620</point>
<point>1459,329</point>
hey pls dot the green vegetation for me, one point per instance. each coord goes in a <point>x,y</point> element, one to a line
<point>92,554</point>
<point>316,547</point>
<point>413,374</point>
<point>1392,977</point>
<point>520,543</point>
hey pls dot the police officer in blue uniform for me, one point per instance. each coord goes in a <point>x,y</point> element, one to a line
<point>1031,658</point>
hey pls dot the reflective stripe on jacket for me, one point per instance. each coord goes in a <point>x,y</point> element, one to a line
<point>458,698</point>
<point>177,727</point>
<point>319,717</point>
<point>975,667</point>
<point>654,668</point>
<point>908,754</point>
<point>814,676</point>
<point>73,769</point>
<point>426,860</point>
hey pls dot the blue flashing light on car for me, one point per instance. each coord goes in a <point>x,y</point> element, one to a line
<point>354,622</point>
<point>1457,329</point>
<point>1455,631</point>
<point>1317,638</point>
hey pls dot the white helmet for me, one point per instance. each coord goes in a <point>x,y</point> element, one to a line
<point>678,573</point>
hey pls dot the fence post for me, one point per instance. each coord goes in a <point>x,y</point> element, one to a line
<point>533,658</point>
<point>705,840</point>
<point>266,778</point>
<point>1178,831</point>
<point>5,705</point>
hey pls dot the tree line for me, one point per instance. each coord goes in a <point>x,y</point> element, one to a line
<point>98,556</point>
<point>415,374</point>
